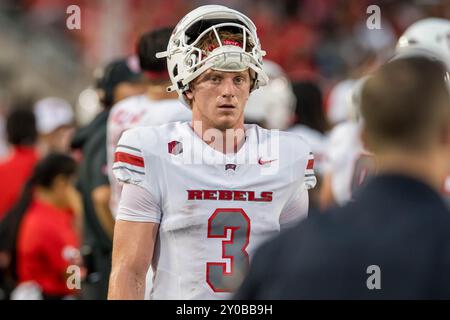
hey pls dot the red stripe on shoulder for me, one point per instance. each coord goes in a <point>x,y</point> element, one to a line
<point>310,164</point>
<point>129,158</point>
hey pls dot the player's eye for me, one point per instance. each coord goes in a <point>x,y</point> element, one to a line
<point>215,79</point>
<point>239,80</point>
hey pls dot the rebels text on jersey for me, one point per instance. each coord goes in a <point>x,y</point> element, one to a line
<point>213,209</point>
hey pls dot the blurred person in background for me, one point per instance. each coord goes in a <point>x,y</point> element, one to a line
<point>340,96</point>
<point>55,125</point>
<point>338,101</point>
<point>310,122</point>
<point>16,168</point>
<point>393,240</point>
<point>271,106</point>
<point>119,79</point>
<point>41,232</point>
<point>155,107</point>
<point>122,78</point>
<point>348,164</point>
<point>48,236</point>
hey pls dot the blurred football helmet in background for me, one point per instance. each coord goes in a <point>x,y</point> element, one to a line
<point>273,105</point>
<point>428,37</point>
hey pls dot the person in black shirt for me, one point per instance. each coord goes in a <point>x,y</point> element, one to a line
<point>118,81</point>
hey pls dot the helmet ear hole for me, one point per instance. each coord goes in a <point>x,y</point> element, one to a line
<point>175,70</point>
<point>192,60</point>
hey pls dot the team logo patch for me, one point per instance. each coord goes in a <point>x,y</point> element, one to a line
<point>175,147</point>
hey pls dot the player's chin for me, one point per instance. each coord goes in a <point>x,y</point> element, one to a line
<point>226,122</point>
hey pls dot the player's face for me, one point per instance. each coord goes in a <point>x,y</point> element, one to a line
<point>218,98</point>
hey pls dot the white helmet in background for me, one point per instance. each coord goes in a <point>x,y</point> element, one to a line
<point>185,61</point>
<point>52,113</point>
<point>428,37</point>
<point>339,101</point>
<point>355,103</point>
<point>273,104</point>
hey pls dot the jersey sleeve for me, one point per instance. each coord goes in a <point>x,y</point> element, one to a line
<point>303,161</point>
<point>139,205</point>
<point>138,201</point>
<point>296,209</point>
<point>129,165</point>
<point>310,179</point>
<point>303,179</point>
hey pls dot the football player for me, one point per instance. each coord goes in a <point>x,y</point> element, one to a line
<point>348,163</point>
<point>200,196</point>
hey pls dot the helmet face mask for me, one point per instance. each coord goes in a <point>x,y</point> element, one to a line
<point>186,60</point>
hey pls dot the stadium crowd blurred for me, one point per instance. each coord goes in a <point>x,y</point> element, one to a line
<point>57,87</point>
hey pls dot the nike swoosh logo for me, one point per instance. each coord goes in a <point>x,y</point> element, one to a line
<point>263,162</point>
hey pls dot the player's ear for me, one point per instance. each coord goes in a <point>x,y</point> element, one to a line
<point>190,91</point>
<point>189,94</point>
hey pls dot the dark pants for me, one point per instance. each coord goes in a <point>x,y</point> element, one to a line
<point>98,263</point>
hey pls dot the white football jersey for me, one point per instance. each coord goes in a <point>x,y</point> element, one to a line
<point>316,140</point>
<point>133,112</point>
<point>347,161</point>
<point>213,209</point>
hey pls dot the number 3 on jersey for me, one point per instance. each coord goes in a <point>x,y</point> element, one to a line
<point>233,249</point>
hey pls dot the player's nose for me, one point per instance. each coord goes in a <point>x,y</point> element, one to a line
<point>228,88</point>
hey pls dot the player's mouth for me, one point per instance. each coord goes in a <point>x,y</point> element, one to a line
<point>226,106</point>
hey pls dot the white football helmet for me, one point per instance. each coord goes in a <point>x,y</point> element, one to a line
<point>274,104</point>
<point>355,103</point>
<point>428,37</point>
<point>185,61</point>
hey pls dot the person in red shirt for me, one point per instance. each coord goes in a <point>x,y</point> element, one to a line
<point>16,168</point>
<point>47,242</point>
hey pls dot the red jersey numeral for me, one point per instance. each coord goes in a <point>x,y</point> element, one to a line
<point>234,249</point>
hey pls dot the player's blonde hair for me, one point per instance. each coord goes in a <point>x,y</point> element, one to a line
<point>210,40</point>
